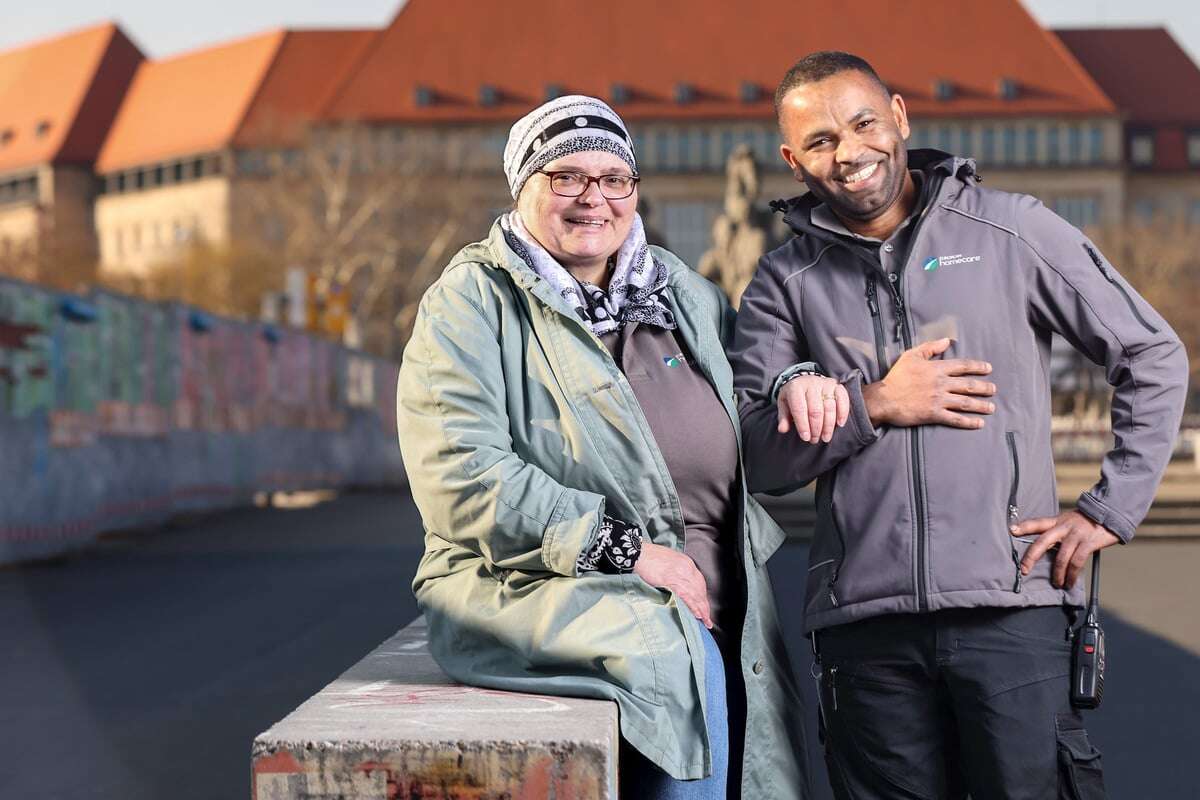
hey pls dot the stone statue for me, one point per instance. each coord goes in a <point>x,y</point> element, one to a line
<point>740,234</point>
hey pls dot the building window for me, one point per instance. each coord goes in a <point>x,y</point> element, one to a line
<point>965,146</point>
<point>768,148</point>
<point>686,145</point>
<point>989,145</point>
<point>686,227</point>
<point>704,159</point>
<point>916,137</point>
<point>1141,149</point>
<point>943,139</point>
<point>1193,148</point>
<point>1095,148</point>
<point>1008,144</point>
<point>1075,154</point>
<point>1080,211</point>
<point>1052,153</point>
<point>666,155</point>
<point>1031,144</point>
<point>726,144</point>
<point>1194,211</point>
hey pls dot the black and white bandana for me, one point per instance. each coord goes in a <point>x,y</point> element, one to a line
<point>637,291</point>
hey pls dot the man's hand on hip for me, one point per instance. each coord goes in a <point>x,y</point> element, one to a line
<point>1077,538</point>
<point>921,389</point>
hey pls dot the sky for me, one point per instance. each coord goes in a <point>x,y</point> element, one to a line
<point>163,29</point>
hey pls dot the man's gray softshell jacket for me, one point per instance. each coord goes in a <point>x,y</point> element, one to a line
<point>916,519</point>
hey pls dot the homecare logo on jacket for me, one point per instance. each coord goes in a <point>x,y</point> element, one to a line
<point>946,261</point>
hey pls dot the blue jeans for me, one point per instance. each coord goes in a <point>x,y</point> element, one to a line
<point>640,778</point>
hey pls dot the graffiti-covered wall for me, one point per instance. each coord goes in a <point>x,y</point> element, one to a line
<point>116,412</point>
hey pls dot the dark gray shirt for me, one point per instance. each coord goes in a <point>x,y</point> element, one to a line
<point>697,441</point>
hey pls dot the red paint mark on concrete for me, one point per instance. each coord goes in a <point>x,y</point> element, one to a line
<point>276,763</point>
<point>15,335</point>
<point>282,761</point>
<point>37,371</point>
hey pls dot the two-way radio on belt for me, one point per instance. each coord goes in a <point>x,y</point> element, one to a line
<point>1087,658</point>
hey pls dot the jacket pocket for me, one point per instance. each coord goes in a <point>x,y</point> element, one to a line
<point>1079,774</point>
<point>1013,510</point>
<point>1108,276</point>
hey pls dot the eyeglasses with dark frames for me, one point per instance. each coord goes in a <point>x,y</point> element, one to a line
<point>572,184</point>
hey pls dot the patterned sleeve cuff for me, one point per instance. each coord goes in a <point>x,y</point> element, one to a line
<point>615,549</point>
<point>795,371</point>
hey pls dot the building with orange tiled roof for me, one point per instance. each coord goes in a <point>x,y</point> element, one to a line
<point>694,78</point>
<point>1156,87</point>
<point>57,100</point>
<point>194,127</point>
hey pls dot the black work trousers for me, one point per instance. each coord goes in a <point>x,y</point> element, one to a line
<point>954,703</point>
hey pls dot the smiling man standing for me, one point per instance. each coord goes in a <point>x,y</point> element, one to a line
<point>941,631</point>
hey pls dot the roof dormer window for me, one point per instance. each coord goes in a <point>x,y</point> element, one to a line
<point>6,136</point>
<point>1007,89</point>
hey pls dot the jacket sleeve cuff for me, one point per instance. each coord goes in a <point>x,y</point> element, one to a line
<point>572,529</point>
<point>860,420</point>
<point>1101,514</point>
<point>791,372</point>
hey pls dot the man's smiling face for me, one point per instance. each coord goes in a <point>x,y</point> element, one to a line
<point>844,137</point>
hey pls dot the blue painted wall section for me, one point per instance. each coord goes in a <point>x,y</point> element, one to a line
<point>117,412</point>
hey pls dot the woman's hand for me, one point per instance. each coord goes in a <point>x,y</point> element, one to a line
<point>813,405</point>
<point>664,568</point>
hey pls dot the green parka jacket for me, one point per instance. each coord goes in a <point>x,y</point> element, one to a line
<point>518,433</point>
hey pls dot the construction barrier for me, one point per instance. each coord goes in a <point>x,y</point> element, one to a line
<point>116,412</point>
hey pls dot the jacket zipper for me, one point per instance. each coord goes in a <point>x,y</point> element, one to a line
<point>1108,276</point>
<point>877,321</point>
<point>1013,486</point>
<point>905,336</point>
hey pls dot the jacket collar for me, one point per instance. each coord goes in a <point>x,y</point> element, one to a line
<point>934,164</point>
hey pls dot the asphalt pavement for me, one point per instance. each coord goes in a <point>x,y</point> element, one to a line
<point>144,667</point>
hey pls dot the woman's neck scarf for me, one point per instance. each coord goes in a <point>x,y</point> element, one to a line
<point>636,291</point>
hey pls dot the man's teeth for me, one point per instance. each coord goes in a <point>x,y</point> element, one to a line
<point>862,174</point>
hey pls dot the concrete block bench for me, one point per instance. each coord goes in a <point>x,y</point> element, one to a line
<point>394,726</point>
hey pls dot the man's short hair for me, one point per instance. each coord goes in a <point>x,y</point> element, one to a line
<point>821,65</point>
